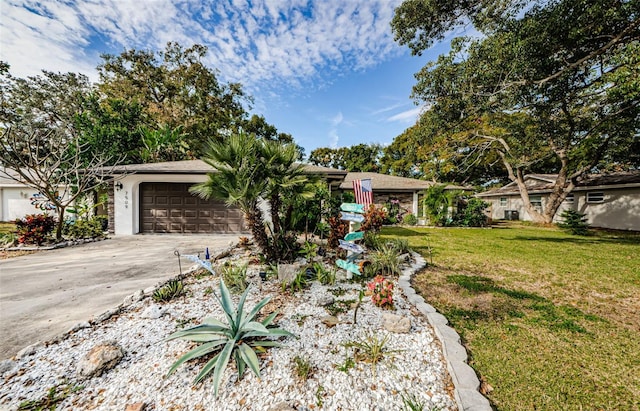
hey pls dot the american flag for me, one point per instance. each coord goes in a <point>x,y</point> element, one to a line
<point>363,192</point>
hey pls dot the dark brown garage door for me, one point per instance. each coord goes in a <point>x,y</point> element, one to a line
<point>170,208</point>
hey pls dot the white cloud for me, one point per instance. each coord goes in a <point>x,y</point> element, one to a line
<point>408,116</point>
<point>335,121</point>
<point>265,43</point>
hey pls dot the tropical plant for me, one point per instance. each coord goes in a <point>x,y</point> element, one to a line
<point>308,250</point>
<point>410,402</point>
<point>574,222</point>
<point>298,283</point>
<point>235,276</point>
<point>374,217</point>
<point>437,201</point>
<point>324,275</point>
<point>339,230</point>
<point>401,245</point>
<point>34,228</point>
<point>385,260</point>
<point>381,291</point>
<point>238,338</point>
<point>169,291</point>
<point>85,228</point>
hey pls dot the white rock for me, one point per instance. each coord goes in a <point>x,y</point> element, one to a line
<point>154,312</point>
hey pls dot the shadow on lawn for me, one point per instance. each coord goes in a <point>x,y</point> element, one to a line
<point>507,303</point>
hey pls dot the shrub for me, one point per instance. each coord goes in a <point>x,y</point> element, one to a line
<point>371,240</point>
<point>308,250</point>
<point>401,245</point>
<point>574,222</point>
<point>374,217</point>
<point>471,213</point>
<point>410,219</point>
<point>169,291</point>
<point>381,291</point>
<point>34,228</point>
<point>339,229</point>
<point>236,339</point>
<point>235,276</point>
<point>92,228</point>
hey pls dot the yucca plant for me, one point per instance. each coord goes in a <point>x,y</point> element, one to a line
<point>239,338</point>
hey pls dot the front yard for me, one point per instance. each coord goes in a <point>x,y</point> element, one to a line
<point>550,320</point>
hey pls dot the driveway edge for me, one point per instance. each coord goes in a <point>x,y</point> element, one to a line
<point>465,380</point>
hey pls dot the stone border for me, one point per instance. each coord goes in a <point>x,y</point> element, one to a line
<point>62,244</point>
<point>465,381</point>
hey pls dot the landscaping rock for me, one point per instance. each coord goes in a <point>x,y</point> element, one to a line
<point>99,359</point>
<point>396,324</point>
<point>324,300</point>
<point>282,406</point>
<point>81,325</point>
<point>330,321</point>
<point>138,406</point>
<point>288,272</point>
<point>29,350</point>
<point>6,365</point>
<point>154,312</point>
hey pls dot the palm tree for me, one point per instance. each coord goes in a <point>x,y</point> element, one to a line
<point>238,180</point>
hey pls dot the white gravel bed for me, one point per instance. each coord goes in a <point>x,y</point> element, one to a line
<point>415,367</point>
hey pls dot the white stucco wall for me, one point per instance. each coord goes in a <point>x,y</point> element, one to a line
<point>15,202</point>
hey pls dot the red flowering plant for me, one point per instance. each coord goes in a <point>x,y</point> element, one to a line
<point>381,291</point>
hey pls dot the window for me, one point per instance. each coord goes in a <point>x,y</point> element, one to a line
<point>536,201</point>
<point>569,198</point>
<point>503,201</point>
<point>595,197</point>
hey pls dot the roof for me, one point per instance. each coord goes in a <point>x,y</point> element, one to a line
<point>384,182</point>
<point>543,183</point>
<point>5,180</point>
<point>200,167</point>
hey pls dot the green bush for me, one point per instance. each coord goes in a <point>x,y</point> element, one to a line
<point>34,228</point>
<point>385,260</point>
<point>471,213</point>
<point>574,222</point>
<point>238,338</point>
<point>410,219</point>
<point>92,228</point>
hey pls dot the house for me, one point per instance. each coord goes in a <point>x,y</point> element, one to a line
<point>18,200</point>
<point>155,198</point>
<point>608,200</point>
<point>408,191</point>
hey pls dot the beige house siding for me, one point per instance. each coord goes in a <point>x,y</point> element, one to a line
<point>620,208</point>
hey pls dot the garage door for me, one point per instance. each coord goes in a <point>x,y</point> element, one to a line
<point>170,208</point>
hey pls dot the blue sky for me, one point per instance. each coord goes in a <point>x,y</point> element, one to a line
<point>327,72</point>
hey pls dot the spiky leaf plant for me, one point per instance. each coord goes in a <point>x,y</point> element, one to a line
<point>239,338</point>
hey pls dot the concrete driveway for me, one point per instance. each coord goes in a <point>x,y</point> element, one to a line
<point>44,294</point>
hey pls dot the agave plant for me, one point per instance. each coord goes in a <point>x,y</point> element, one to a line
<point>239,338</point>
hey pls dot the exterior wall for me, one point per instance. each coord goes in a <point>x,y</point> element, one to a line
<point>620,209</point>
<point>126,201</point>
<point>408,202</point>
<point>15,202</point>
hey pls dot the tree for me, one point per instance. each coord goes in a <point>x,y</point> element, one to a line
<point>552,83</point>
<point>175,89</point>
<point>360,157</point>
<point>248,170</point>
<point>52,163</point>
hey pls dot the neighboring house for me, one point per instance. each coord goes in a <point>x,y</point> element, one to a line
<point>155,198</point>
<point>18,200</point>
<point>608,200</point>
<point>408,191</point>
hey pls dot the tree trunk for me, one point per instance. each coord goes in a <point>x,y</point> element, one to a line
<point>254,219</point>
<point>60,223</point>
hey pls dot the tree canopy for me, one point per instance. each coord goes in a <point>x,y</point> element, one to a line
<point>547,84</point>
<point>359,157</point>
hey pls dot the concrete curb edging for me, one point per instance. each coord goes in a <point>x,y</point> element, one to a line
<point>464,378</point>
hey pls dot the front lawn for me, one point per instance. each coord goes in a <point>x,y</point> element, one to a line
<point>551,320</point>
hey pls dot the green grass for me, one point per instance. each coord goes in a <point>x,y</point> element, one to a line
<point>551,320</point>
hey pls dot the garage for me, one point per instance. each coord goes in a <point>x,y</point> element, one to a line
<point>170,208</point>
